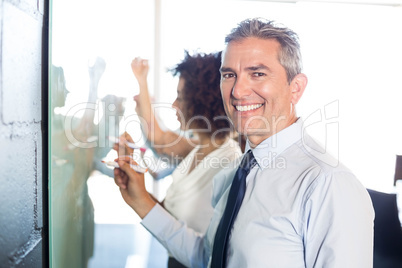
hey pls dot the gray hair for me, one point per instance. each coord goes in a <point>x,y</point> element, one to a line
<point>289,56</point>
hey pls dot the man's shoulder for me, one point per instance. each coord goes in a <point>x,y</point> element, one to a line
<point>320,169</point>
<point>318,155</point>
<point>311,163</point>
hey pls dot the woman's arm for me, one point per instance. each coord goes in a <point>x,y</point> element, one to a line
<point>165,142</point>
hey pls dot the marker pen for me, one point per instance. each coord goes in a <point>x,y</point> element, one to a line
<point>134,146</point>
<point>113,139</point>
<point>129,144</point>
<point>135,167</point>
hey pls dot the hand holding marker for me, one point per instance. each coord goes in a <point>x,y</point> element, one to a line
<point>132,145</point>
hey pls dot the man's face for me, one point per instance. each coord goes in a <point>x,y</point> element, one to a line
<point>256,94</point>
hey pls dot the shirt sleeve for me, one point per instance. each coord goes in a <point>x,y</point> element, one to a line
<point>183,243</point>
<point>339,219</point>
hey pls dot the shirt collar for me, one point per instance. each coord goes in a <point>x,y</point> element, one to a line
<point>270,148</point>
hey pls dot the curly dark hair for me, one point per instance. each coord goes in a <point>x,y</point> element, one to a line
<point>201,93</point>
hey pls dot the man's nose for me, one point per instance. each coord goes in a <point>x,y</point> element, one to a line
<point>241,87</point>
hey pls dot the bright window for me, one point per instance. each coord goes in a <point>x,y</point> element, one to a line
<point>352,56</point>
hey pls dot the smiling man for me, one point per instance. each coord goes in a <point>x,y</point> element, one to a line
<point>258,95</point>
<point>301,213</point>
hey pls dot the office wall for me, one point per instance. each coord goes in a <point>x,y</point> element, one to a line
<point>21,173</point>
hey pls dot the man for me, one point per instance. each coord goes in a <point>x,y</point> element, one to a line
<point>295,209</point>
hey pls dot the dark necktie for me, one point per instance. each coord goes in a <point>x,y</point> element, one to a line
<point>235,198</point>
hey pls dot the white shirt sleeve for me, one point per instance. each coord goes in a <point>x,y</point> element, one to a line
<point>339,223</point>
<point>183,243</point>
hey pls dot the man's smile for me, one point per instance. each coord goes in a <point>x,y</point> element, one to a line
<point>245,108</point>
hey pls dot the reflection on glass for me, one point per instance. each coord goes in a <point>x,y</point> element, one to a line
<point>91,88</point>
<point>73,154</point>
<point>71,208</point>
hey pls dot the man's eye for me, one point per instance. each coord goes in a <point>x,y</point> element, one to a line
<point>228,75</point>
<point>258,74</point>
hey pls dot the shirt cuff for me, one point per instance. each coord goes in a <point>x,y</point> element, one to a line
<point>157,220</point>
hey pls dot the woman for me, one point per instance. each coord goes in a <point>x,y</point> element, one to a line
<point>199,108</point>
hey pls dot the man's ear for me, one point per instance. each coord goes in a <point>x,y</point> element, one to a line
<point>297,87</point>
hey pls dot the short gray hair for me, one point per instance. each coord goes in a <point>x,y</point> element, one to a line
<point>289,56</point>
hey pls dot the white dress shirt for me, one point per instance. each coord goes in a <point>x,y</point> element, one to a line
<point>188,198</point>
<point>301,209</point>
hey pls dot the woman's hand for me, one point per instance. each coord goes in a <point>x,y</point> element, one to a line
<point>140,69</point>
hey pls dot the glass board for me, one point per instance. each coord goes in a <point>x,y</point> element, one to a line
<point>91,87</point>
